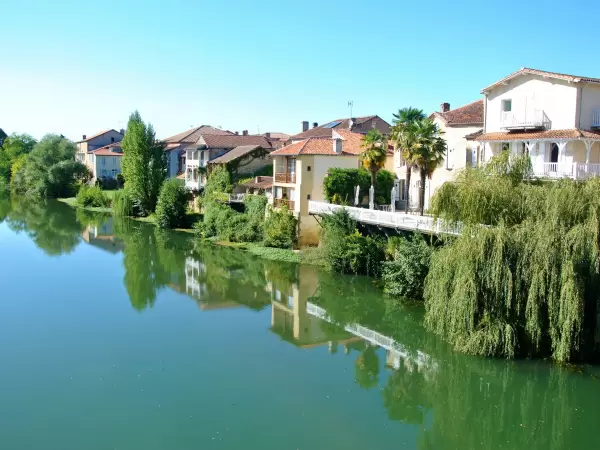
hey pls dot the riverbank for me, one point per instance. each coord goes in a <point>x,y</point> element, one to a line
<point>308,256</point>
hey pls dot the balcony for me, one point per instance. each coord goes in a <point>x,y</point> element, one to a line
<point>279,202</point>
<point>288,177</point>
<point>526,120</point>
<point>192,159</point>
<point>576,171</point>
<point>596,118</point>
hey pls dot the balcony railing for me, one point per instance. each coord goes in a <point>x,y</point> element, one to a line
<point>596,118</point>
<point>279,202</point>
<point>577,171</point>
<point>285,178</point>
<point>530,119</point>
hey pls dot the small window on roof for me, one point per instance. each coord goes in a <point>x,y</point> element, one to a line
<point>332,124</point>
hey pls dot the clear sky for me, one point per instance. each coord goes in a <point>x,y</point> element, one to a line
<point>77,67</point>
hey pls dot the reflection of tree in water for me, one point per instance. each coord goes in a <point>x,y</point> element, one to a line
<point>52,226</point>
<point>366,368</point>
<point>405,395</point>
<point>5,207</point>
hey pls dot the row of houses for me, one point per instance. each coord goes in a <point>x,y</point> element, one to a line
<point>552,117</point>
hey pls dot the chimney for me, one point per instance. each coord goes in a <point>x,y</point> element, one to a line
<point>268,135</point>
<point>237,133</point>
<point>337,146</point>
<point>84,136</point>
<point>315,124</point>
<point>245,132</point>
<point>444,107</point>
<point>305,125</point>
<point>351,123</point>
<point>122,131</point>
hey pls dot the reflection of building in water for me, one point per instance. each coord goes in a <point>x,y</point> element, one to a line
<point>102,236</point>
<point>290,320</point>
<point>396,355</point>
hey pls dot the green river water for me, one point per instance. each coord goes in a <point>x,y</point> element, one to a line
<point>115,335</point>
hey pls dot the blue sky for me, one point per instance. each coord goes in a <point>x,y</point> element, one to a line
<point>77,67</point>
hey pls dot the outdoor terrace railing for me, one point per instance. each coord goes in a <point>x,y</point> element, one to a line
<point>278,202</point>
<point>528,119</point>
<point>285,178</point>
<point>577,171</point>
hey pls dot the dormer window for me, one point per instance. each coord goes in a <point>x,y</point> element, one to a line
<point>507,105</point>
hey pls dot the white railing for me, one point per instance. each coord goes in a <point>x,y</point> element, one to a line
<point>236,198</point>
<point>536,118</point>
<point>596,118</point>
<point>577,171</point>
<point>420,359</point>
<point>396,220</point>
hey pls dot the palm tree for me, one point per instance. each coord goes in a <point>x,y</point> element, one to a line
<point>430,149</point>
<point>374,153</point>
<point>405,141</point>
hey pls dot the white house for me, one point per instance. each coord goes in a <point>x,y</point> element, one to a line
<point>553,117</point>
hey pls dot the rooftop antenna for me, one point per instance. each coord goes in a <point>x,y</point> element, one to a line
<point>350,105</point>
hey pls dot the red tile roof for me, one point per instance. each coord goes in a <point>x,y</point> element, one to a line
<point>543,73</point>
<point>260,182</point>
<point>351,145</point>
<point>89,138</point>
<point>234,140</point>
<point>192,135</point>
<point>471,114</point>
<point>238,152</point>
<point>533,135</point>
<point>360,125</point>
<point>114,149</point>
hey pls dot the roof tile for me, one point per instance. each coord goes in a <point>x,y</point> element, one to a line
<point>471,114</point>
<point>573,133</point>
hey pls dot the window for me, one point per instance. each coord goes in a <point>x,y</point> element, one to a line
<point>507,105</point>
<point>308,168</point>
<point>448,151</point>
<point>114,173</point>
<point>307,196</point>
<point>104,173</point>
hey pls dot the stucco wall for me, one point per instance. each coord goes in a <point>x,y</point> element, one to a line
<point>590,100</point>
<point>107,163</point>
<point>557,98</point>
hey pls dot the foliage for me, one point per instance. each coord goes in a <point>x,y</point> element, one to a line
<point>12,148</point>
<point>218,182</point>
<point>92,196</point>
<point>50,170</point>
<point>374,153</point>
<point>120,181</point>
<point>274,254</point>
<point>144,164</point>
<point>341,184</point>
<point>346,250</point>
<point>366,368</point>
<point>280,228</point>
<point>122,203</point>
<point>4,187</point>
<point>107,183</point>
<point>527,286</point>
<point>255,207</point>
<point>171,205</point>
<point>404,276</point>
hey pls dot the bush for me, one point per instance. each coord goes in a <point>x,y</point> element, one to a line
<point>120,181</point>
<point>255,207</point>
<point>92,196</point>
<point>404,276</point>
<point>339,185</point>
<point>171,205</point>
<point>217,216</point>
<point>108,184</point>
<point>122,203</point>
<point>280,229</point>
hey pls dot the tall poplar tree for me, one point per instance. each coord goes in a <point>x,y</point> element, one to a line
<point>144,164</point>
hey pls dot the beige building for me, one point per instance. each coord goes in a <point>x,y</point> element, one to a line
<point>299,170</point>
<point>101,153</point>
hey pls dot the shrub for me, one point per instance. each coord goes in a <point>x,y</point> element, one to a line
<point>4,186</point>
<point>122,203</point>
<point>108,184</point>
<point>217,216</point>
<point>255,207</point>
<point>404,276</point>
<point>280,228</point>
<point>92,196</point>
<point>343,182</point>
<point>120,181</point>
<point>171,205</point>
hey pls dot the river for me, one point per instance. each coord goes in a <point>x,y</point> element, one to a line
<point>116,335</point>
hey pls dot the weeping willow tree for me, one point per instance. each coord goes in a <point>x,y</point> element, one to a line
<point>528,283</point>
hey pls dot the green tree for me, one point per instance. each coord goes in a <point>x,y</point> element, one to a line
<point>171,205</point>
<point>11,149</point>
<point>404,141</point>
<point>430,149</point>
<point>50,170</point>
<point>144,163</point>
<point>374,153</point>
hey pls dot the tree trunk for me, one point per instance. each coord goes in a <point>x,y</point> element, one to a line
<point>373,178</point>
<point>407,187</point>
<point>422,191</point>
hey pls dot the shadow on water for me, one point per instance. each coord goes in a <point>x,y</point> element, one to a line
<point>453,400</point>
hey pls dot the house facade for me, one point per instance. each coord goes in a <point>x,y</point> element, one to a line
<point>457,125</point>
<point>299,170</point>
<point>106,163</point>
<point>554,118</point>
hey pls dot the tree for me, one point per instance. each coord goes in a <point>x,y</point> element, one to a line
<point>50,170</point>
<point>144,163</point>
<point>171,205</point>
<point>430,149</point>
<point>374,153</point>
<point>404,141</point>
<point>11,149</point>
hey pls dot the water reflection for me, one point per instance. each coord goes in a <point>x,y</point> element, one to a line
<point>451,400</point>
